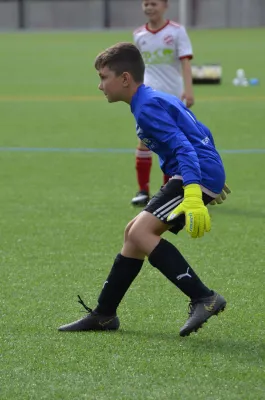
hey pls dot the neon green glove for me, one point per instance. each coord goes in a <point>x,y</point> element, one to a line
<point>222,196</point>
<point>197,216</point>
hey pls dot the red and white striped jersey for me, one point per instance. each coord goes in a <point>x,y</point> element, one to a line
<point>162,51</point>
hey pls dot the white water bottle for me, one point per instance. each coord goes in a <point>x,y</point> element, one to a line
<point>240,79</point>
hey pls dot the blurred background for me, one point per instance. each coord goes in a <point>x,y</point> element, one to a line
<point>94,14</point>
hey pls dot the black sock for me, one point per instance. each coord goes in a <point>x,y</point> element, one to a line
<point>122,274</point>
<point>168,260</point>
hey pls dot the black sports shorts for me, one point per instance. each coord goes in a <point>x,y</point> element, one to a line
<point>168,197</point>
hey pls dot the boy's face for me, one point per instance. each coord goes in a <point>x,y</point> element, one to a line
<point>154,9</point>
<point>112,86</point>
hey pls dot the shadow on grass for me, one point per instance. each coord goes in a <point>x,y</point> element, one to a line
<point>235,347</point>
<point>236,212</point>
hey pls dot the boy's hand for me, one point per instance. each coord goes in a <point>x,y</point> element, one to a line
<point>197,216</point>
<point>222,196</point>
<point>188,99</point>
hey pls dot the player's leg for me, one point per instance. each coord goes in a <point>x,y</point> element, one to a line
<point>143,164</point>
<point>145,235</point>
<point>142,237</point>
<point>123,272</point>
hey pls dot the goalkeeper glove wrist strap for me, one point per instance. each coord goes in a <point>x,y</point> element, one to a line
<point>192,190</point>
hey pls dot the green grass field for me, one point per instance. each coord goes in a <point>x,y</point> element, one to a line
<point>62,220</point>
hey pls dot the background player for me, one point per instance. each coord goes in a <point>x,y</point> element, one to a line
<point>167,51</point>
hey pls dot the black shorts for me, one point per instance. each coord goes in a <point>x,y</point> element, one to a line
<point>168,198</point>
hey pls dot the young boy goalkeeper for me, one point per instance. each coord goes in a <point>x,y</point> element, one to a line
<point>187,153</point>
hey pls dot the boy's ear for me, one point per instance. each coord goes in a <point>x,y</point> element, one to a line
<point>126,79</point>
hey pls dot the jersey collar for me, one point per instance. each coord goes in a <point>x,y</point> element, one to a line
<point>157,30</point>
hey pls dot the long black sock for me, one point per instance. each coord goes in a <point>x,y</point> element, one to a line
<point>122,274</point>
<point>168,260</point>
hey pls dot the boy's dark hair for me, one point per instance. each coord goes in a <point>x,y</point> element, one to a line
<point>122,57</point>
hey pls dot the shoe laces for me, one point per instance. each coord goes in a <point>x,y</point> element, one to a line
<point>88,309</point>
<point>192,305</point>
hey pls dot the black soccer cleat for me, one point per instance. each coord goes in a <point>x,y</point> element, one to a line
<point>141,199</point>
<point>200,310</point>
<point>92,322</point>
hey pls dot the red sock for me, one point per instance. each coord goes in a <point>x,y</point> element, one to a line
<point>166,178</point>
<point>143,168</point>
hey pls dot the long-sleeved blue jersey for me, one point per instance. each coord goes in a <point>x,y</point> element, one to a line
<point>184,145</point>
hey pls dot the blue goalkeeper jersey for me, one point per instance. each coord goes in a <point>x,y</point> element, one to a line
<point>184,145</point>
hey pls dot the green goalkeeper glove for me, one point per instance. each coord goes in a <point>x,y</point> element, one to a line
<point>222,196</point>
<point>197,216</point>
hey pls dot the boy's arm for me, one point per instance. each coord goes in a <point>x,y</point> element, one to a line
<point>187,95</point>
<point>161,129</point>
<point>185,54</point>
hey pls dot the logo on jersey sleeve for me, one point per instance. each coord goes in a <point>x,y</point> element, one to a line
<point>150,144</point>
<point>205,141</point>
<point>147,142</point>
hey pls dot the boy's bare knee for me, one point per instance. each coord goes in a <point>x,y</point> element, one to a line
<point>135,236</point>
<point>127,229</point>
